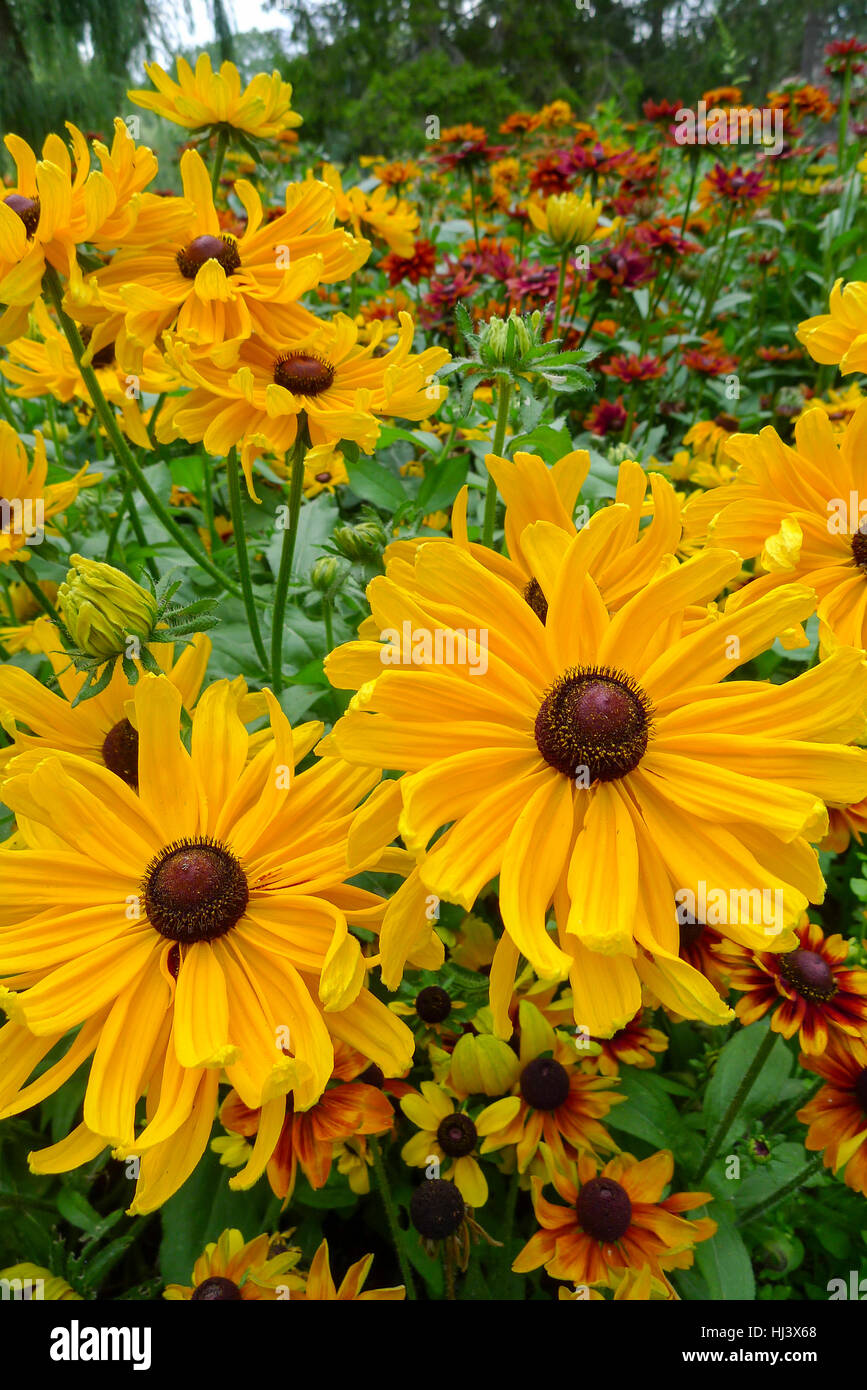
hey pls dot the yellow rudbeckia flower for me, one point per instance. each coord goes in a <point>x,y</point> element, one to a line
<point>203,97</point>
<point>26,500</point>
<point>200,925</point>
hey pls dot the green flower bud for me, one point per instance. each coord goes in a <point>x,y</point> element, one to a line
<point>366,541</point>
<point>759,1150</point>
<point>325,574</point>
<point>618,453</point>
<point>102,608</point>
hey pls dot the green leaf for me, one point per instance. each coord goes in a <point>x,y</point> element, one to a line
<point>203,1208</point>
<point>724,1261</point>
<point>442,483</point>
<point>75,1208</point>
<point>648,1112</point>
<point>373,483</point>
<point>734,1061</point>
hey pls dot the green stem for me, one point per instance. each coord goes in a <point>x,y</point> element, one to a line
<point>737,1101</point>
<point>712,294</point>
<point>284,574</point>
<point>693,175</point>
<point>767,1203</point>
<point>208,501</point>
<point>222,146</point>
<point>52,425</point>
<point>124,502</point>
<point>560,285</point>
<point>449,1270</point>
<point>119,444</point>
<point>504,389</point>
<point>391,1217</point>
<point>844,118</point>
<point>44,603</point>
<point>233,471</point>
<point>140,536</point>
<point>590,322</point>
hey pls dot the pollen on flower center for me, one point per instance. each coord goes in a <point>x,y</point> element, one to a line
<point>859,550</point>
<point>860,1089</point>
<point>544,1083</point>
<point>534,596</point>
<point>216,1287</point>
<point>222,249</point>
<point>28,209</point>
<point>457,1135</point>
<point>810,974</point>
<point>304,373</point>
<point>120,752</point>
<point>594,718</point>
<point>604,1209</point>
<point>195,890</point>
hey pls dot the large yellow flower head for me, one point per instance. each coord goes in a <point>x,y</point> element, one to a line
<point>200,925</point>
<point>27,501</point>
<point>840,336</point>
<point>568,220</point>
<point>213,289</point>
<point>262,109</point>
<point>599,764</point>
<point>342,389</point>
<point>799,511</point>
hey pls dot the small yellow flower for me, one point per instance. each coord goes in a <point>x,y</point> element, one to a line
<point>231,1269</point>
<point>448,1135</point>
<point>569,220</point>
<point>26,501</point>
<point>206,98</point>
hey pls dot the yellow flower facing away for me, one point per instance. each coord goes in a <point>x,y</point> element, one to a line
<point>22,615</point>
<point>27,500</point>
<point>386,216</point>
<point>840,336</point>
<point>568,219</point>
<point>797,510</point>
<point>202,97</point>
<point>58,203</point>
<point>320,1286</point>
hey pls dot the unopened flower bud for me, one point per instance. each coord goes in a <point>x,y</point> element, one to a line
<point>102,607</point>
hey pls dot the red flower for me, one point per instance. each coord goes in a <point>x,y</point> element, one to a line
<point>607,417</point>
<point>630,367</point>
<point>709,361</point>
<point>419,266</point>
<point>662,112</point>
<point>739,186</point>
